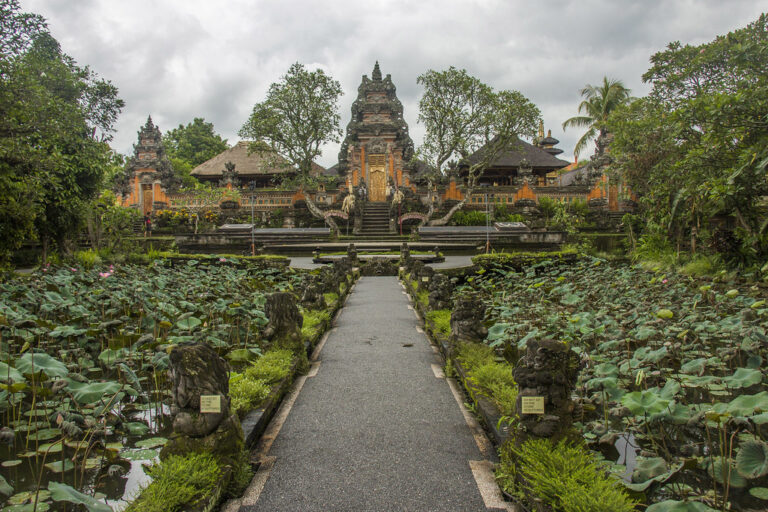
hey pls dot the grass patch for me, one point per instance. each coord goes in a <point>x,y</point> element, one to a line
<point>272,367</point>
<point>314,322</point>
<point>245,393</point>
<point>494,379</point>
<point>566,477</point>
<point>249,389</point>
<point>330,298</point>
<point>178,483</point>
<point>441,319</point>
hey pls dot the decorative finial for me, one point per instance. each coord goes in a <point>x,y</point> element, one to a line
<point>376,75</point>
<point>541,128</point>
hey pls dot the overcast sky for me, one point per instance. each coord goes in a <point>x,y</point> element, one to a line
<point>181,59</point>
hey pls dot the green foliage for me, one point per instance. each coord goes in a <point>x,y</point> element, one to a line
<point>242,474</point>
<point>271,367</point>
<point>56,120</point>
<point>246,393</point>
<point>178,483</point>
<point>469,218</point>
<point>88,258</point>
<point>314,321</point>
<point>441,318</point>
<point>697,146</point>
<point>191,145</point>
<point>494,379</point>
<point>565,477</point>
<point>299,115</point>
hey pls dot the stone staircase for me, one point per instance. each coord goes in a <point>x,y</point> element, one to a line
<point>375,220</point>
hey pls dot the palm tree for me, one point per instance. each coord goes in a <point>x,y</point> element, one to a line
<point>598,103</point>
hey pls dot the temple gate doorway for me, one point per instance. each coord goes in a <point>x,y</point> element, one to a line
<point>377,191</point>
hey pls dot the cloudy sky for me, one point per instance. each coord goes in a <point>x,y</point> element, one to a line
<point>180,59</point>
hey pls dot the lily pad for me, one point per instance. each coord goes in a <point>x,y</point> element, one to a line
<point>644,402</point>
<point>36,363</point>
<point>45,434</point>
<point>10,463</point>
<point>139,454</point>
<point>151,442</point>
<point>760,493</point>
<point>63,492</point>
<point>679,506</point>
<point>60,466</point>
<point>752,459</point>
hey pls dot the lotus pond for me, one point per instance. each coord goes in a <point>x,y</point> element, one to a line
<point>673,383</point>
<point>83,359</point>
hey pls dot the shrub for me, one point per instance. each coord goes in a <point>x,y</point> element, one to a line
<point>492,378</point>
<point>246,393</point>
<point>566,477</point>
<point>178,483</point>
<point>469,218</point>
<point>272,367</point>
<point>313,322</point>
<point>441,318</point>
<point>88,259</point>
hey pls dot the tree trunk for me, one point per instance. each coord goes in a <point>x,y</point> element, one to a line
<point>458,206</point>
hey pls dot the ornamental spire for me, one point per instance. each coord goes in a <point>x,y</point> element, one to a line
<point>376,75</point>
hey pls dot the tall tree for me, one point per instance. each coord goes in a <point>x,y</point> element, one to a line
<point>55,121</point>
<point>467,121</point>
<point>298,116</point>
<point>598,103</point>
<point>697,146</point>
<point>191,145</point>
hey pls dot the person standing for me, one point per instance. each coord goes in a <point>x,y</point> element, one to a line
<point>147,226</point>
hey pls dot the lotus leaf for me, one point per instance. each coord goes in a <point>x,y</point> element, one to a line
<point>152,442</point>
<point>497,331</point>
<point>5,488</point>
<point>109,356</point>
<point>38,363</point>
<point>45,435</point>
<point>10,374</point>
<point>752,459</point>
<point>136,428</point>
<point>679,506</point>
<point>731,475</point>
<point>644,402</point>
<point>63,492</point>
<point>146,454</point>
<point>747,405</point>
<point>10,463</point>
<point>695,366</point>
<point>648,468</point>
<point>88,393</point>
<point>60,466</point>
<point>743,378</point>
<point>188,324</point>
<point>666,314</point>
<point>760,493</point>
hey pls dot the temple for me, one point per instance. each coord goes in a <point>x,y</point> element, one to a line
<point>377,149</point>
<point>148,172</point>
<point>374,161</point>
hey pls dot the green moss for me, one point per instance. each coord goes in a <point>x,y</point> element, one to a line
<point>564,476</point>
<point>246,393</point>
<point>314,323</point>
<point>271,367</point>
<point>423,296</point>
<point>178,483</point>
<point>492,378</point>
<point>330,298</point>
<point>441,319</point>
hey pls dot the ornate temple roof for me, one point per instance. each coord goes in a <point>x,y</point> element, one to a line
<point>538,158</point>
<point>376,112</point>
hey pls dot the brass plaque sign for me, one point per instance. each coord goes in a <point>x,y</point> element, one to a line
<point>210,403</point>
<point>425,279</point>
<point>533,405</point>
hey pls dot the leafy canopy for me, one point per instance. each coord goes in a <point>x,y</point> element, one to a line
<point>299,115</point>
<point>191,145</point>
<point>55,121</point>
<point>697,146</point>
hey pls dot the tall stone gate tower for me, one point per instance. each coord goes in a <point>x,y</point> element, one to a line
<point>377,150</point>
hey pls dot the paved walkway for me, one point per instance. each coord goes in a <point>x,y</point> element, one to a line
<point>374,426</point>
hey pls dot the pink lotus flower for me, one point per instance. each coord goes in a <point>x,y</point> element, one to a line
<point>105,274</point>
<point>73,269</point>
<point>222,260</point>
<point>664,281</point>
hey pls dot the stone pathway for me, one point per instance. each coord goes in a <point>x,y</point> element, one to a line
<point>374,426</point>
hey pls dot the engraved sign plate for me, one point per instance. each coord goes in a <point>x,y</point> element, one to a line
<point>210,403</point>
<point>425,279</point>
<point>533,405</point>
